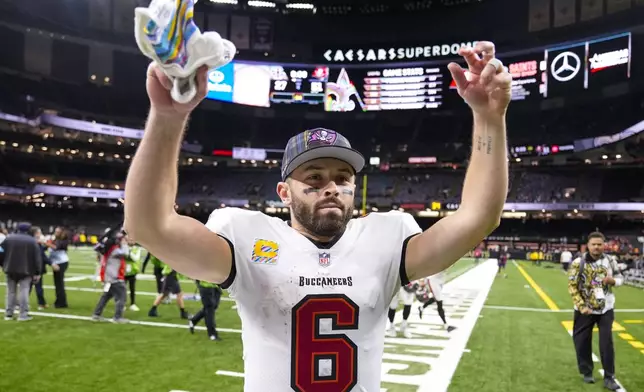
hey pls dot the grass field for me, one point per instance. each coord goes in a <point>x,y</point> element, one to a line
<point>509,350</point>
<point>522,350</point>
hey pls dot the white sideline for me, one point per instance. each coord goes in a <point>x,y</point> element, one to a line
<point>481,278</point>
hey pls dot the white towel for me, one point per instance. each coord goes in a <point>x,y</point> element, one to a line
<point>166,33</point>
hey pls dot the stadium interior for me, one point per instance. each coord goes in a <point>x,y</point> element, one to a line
<point>73,106</point>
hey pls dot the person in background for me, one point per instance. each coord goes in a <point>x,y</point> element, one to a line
<point>132,269</point>
<point>113,278</point>
<point>22,265</point>
<point>170,286</point>
<point>502,260</point>
<point>210,294</point>
<point>590,283</point>
<point>405,296</point>
<point>58,256</point>
<point>36,232</point>
<point>477,255</point>
<point>158,270</point>
<point>430,291</point>
<point>566,258</point>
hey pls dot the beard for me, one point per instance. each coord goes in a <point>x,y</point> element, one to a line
<point>322,225</point>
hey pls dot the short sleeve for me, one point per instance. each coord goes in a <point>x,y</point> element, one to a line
<point>395,229</point>
<point>409,230</point>
<point>220,222</point>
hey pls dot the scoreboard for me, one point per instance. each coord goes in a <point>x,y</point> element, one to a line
<point>540,74</point>
<point>292,85</point>
<point>375,89</point>
<point>527,78</point>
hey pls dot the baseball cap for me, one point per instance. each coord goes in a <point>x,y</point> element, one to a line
<point>318,143</point>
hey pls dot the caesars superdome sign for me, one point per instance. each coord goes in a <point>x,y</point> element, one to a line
<point>405,53</point>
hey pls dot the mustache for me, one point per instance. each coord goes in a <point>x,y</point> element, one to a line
<point>330,202</point>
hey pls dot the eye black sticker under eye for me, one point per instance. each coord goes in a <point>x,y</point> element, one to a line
<point>311,190</point>
<point>348,192</point>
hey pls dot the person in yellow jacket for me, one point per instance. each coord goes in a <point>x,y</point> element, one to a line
<point>170,286</point>
<point>210,294</point>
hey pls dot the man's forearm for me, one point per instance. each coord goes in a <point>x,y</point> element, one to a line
<point>486,180</point>
<point>151,185</point>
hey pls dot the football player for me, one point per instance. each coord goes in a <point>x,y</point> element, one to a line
<point>405,295</point>
<point>431,291</point>
<point>313,292</point>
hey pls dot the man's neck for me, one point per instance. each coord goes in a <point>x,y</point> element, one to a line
<point>299,228</point>
<point>593,258</point>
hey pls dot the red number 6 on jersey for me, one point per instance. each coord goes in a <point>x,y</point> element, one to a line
<point>323,362</point>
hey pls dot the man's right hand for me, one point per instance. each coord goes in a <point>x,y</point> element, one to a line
<point>159,85</point>
<point>585,310</point>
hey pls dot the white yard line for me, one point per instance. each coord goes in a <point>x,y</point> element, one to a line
<point>542,310</point>
<point>79,278</point>
<point>98,290</point>
<point>142,277</point>
<point>229,374</point>
<point>133,322</point>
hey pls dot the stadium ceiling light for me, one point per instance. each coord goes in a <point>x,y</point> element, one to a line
<point>260,3</point>
<point>233,2</point>
<point>300,6</point>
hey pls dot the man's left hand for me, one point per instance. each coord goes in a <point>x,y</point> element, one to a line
<point>486,86</point>
<point>609,280</point>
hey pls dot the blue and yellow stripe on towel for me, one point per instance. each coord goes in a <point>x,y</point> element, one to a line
<point>170,43</point>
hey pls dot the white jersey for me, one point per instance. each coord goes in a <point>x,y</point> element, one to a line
<point>313,319</point>
<point>566,256</point>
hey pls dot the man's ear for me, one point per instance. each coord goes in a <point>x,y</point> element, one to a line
<point>284,192</point>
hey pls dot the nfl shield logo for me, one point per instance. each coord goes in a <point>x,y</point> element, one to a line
<point>325,259</point>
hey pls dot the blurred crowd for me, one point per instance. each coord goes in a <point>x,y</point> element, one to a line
<point>444,185</point>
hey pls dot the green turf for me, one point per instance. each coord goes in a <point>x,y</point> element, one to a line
<point>510,350</point>
<point>528,351</point>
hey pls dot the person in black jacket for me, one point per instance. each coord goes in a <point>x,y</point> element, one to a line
<point>36,232</point>
<point>22,265</point>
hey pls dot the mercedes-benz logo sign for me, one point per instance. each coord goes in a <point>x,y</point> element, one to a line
<point>216,76</point>
<point>565,66</point>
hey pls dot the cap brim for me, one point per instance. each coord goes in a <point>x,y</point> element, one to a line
<point>345,154</point>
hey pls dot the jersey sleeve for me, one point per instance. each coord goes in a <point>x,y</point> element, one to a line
<point>221,222</point>
<point>409,230</point>
<point>239,227</point>
<point>401,227</point>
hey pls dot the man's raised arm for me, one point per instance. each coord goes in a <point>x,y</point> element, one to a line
<point>151,188</point>
<point>487,91</point>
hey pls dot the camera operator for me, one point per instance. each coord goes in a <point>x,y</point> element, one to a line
<point>112,275</point>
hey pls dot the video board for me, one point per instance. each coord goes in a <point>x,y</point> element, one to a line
<point>293,84</point>
<point>556,71</point>
<point>377,88</point>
